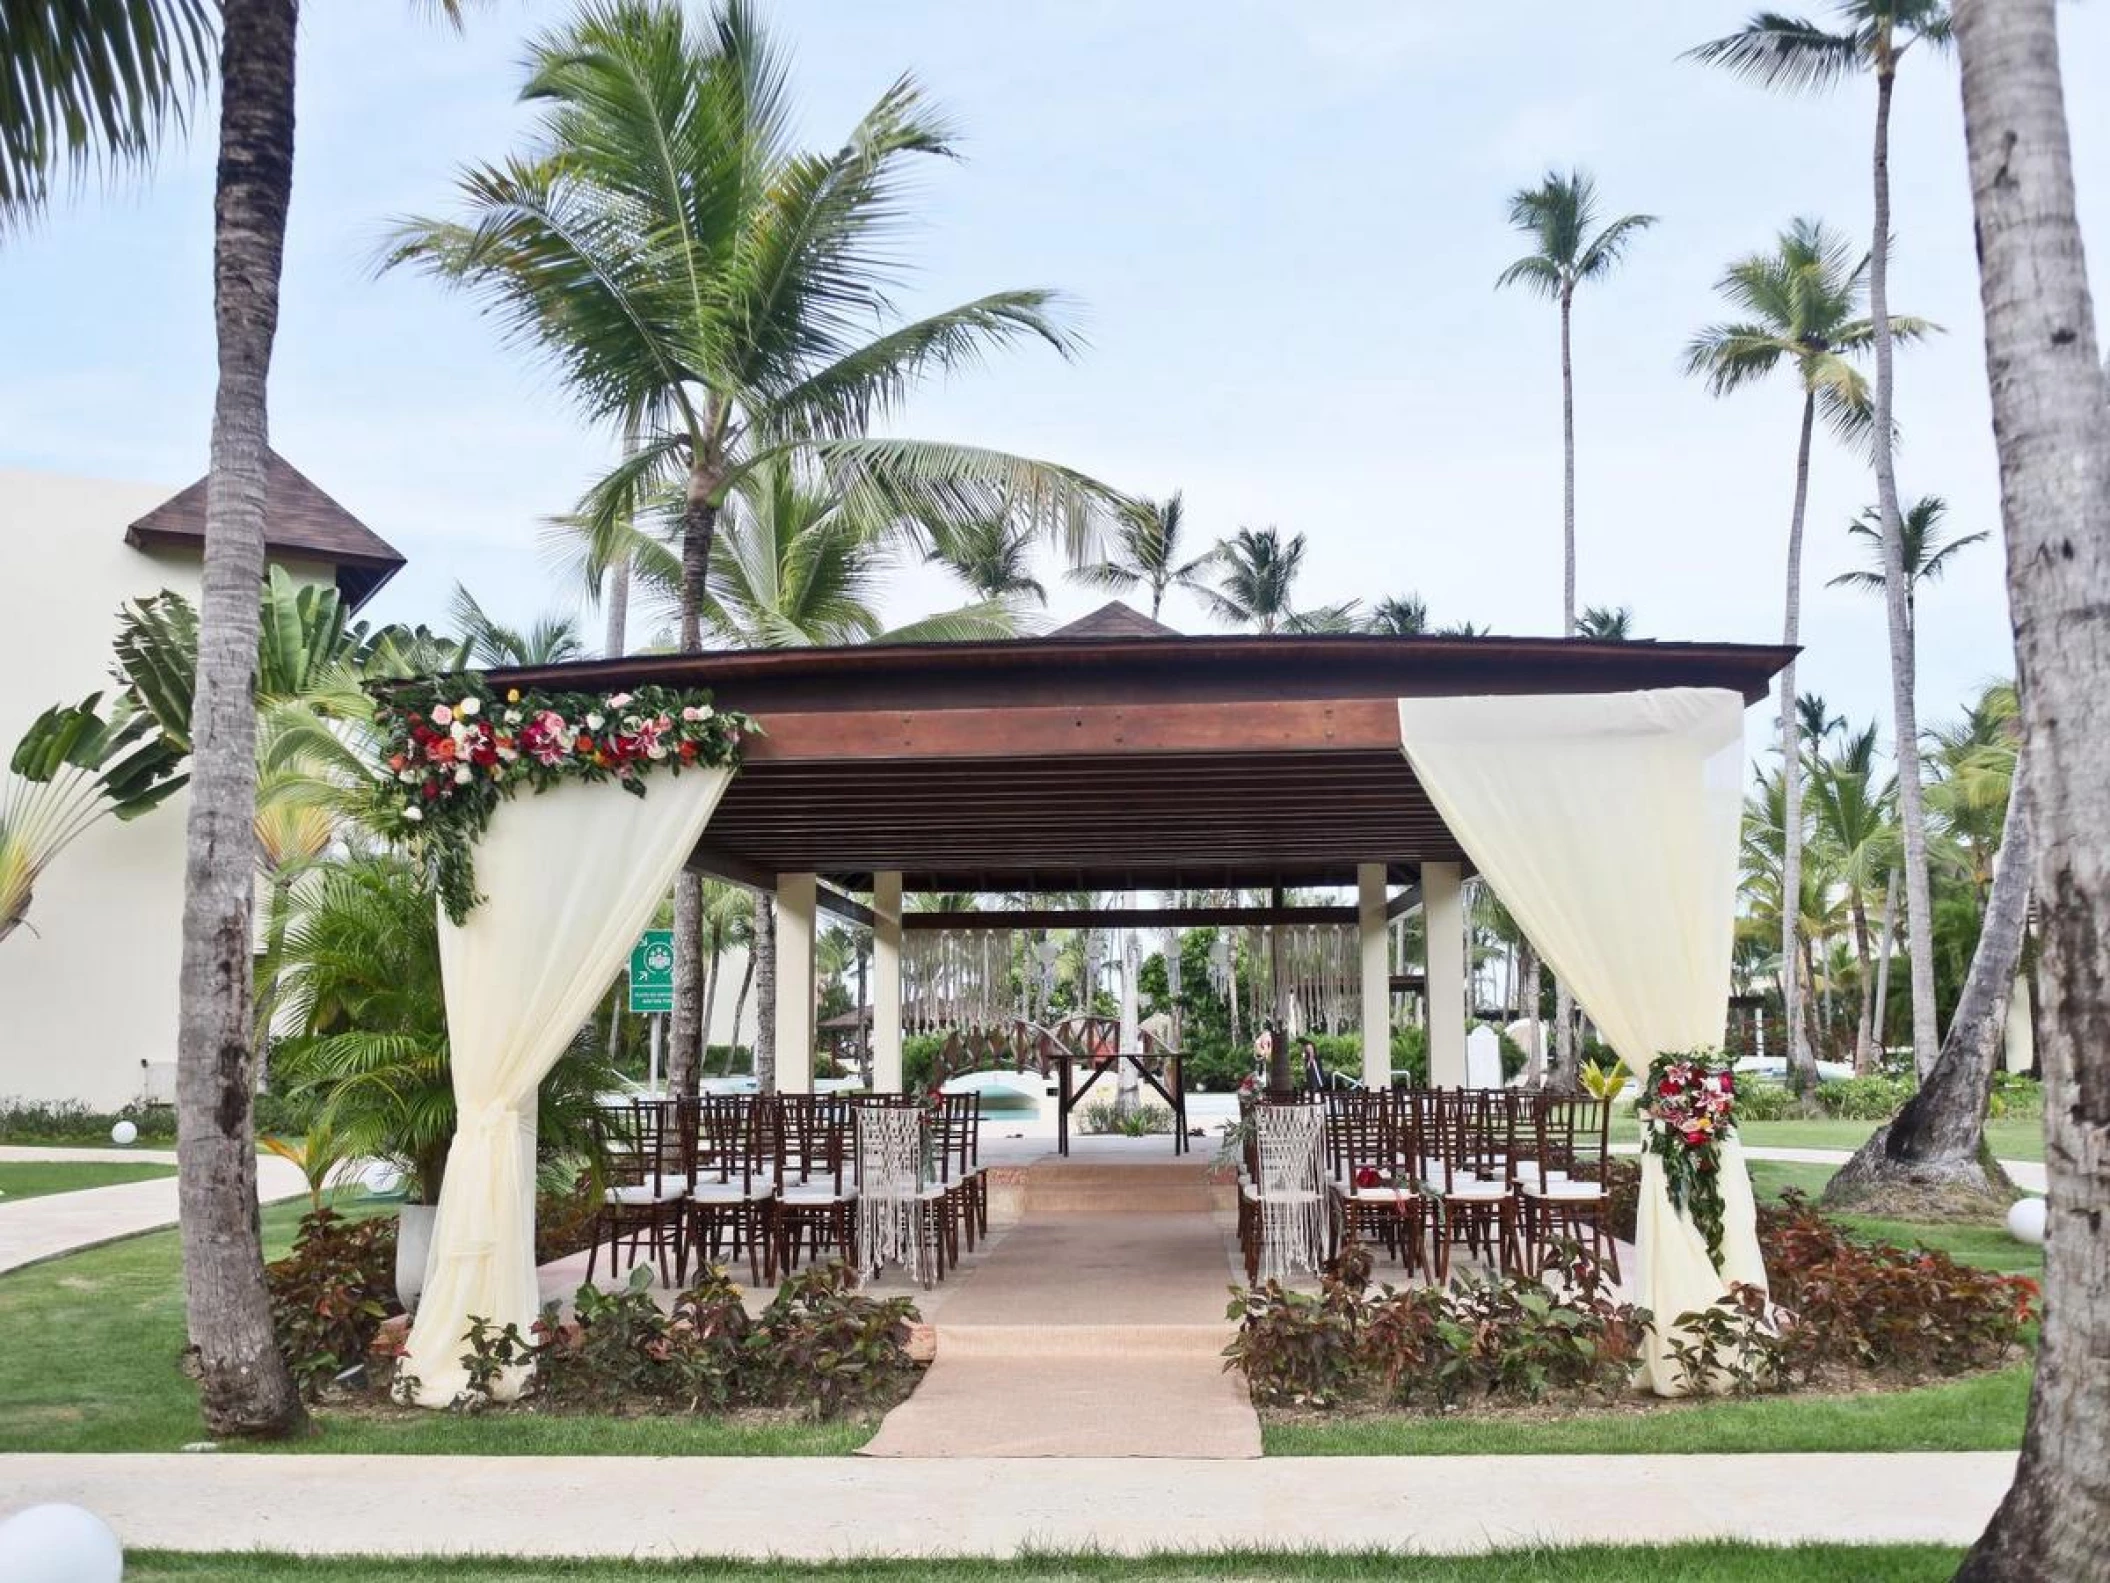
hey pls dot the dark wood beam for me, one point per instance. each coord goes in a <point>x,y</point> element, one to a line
<point>1040,731</point>
<point>718,863</point>
<point>834,901</point>
<point>1120,918</point>
<point>1402,904</point>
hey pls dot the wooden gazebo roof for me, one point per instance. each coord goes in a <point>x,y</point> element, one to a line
<point>1096,758</point>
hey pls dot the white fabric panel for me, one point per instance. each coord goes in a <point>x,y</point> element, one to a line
<point>1608,823</point>
<point>569,877</point>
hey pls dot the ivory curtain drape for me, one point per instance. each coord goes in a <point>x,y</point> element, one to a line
<point>1608,823</point>
<point>569,877</point>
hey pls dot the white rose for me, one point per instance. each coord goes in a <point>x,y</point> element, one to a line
<point>414,813</point>
<point>512,717</point>
<point>655,752</point>
<point>463,774</point>
<point>595,722</point>
<point>469,706</point>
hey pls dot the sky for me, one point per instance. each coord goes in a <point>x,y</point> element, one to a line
<point>1280,225</point>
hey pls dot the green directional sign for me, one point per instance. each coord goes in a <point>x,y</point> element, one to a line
<point>652,971</point>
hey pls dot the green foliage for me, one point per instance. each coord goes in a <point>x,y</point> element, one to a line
<point>820,1346</point>
<point>331,1293</point>
<point>1730,1347</point>
<point>1758,1099</point>
<point>1431,1348</point>
<point>2017,1097</point>
<point>1688,1104</point>
<point>1873,1307</point>
<point>1145,1121</point>
<point>69,1121</point>
<point>1864,1098</point>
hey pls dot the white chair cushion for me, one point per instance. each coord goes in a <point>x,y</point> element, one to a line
<point>1572,1192</point>
<point>641,1194</point>
<point>1477,1191</point>
<point>817,1193</point>
<point>729,1192</point>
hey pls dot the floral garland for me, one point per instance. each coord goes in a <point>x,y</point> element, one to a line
<point>455,748</point>
<point>1690,1105</point>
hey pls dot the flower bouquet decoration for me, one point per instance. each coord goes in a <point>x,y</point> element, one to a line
<point>1690,1107</point>
<point>455,748</point>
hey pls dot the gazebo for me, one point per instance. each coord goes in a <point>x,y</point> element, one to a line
<point>1596,785</point>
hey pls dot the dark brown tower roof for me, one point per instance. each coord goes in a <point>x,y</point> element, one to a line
<point>299,520</point>
<point>1114,620</point>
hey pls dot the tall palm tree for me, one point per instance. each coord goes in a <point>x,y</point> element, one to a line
<point>1802,303</point>
<point>726,296</point>
<point>1256,572</point>
<point>1924,550</point>
<point>2051,419</point>
<point>92,81</point>
<point>1568,249</point>
<point>1855,822</point>
<point>1144,552</point>
<point>1872,36</point>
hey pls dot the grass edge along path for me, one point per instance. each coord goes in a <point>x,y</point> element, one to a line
<point>1714,1562</point>
<point>25,1179</point>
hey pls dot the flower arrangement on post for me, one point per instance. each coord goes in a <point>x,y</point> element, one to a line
<point>455,749</point>
<point>1690,1107</point>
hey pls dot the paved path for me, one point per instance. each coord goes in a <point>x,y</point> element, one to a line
<point>36,1229</point>
<point>822,1507</point>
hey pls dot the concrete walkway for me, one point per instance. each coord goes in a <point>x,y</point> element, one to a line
<point>823,1507</point>
<point>36,1229</point>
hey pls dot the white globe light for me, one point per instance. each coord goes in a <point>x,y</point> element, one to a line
<point>124,1133</point>
<point>59,1544</point>
<point>2025,1220</point>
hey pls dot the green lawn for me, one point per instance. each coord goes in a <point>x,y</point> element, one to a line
<point>1694,1563</point>
<point>101,1375</point>
<point>2011,1139</point>
<point>36,1178</point>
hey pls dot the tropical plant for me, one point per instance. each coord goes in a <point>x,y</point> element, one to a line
<point>1854,819</point>
<point>1569,248</point>
<point>2051,422</point>
<point>993,556</point>
<point>1802,304</point>
<point>1256,572</point>
<point>725,297</point>
<point>1144,552</point>
<point>1399,616</point>
<point>362,970</point>
<point>1607,623</point>
<point>1872,36</point>
<point>1926,552</point>
<point>73,767</point>
<point>92,81</point>
<point>318,1153</point>
<point>490,644</point>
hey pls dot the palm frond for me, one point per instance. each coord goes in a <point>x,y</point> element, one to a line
<point>1777,51</point>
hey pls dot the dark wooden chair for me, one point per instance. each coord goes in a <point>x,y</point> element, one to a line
<point>730,1187</point>
<point>1465,1153</point>
<point>815,1209</point>
<point>646,1190</point>
<point>1565,1189</point>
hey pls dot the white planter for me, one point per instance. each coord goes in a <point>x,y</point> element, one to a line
<point>413,1243</point>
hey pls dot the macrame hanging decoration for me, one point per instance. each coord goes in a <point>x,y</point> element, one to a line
<point>956,979</point>
<point>890,1212</point>
<point>1323,963</point>
<point>1293,1204</point>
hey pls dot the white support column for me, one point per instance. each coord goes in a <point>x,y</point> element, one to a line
<point>1443,919</point>
<point>1377,975</point>
<point>796,916</point>
<point>886,981</point>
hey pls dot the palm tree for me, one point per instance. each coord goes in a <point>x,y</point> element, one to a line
<point>488,642</point>
<point>2051,419</point>
<point>92,81</point>
<point>1803,304</point>
<point>1776,51</point>
<point>1399,616</point>
<point>1925,553</point>
<point>993,556</point>
<point>1854,822</point>
<point>1569,248</point>
<point>713,289</point>
<point>1607,623</point>
<point>1145,553</point>
<point>1257,572</point>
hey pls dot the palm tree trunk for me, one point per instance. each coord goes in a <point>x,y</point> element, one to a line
<point>243,1385</point>
<point>1528,977</point>
<point>2051,418</point>
<point>1931,1158</point>
<point>747,982</point>
<point>710,999</point>
<point>1564,1076</point>
<point>1567,470</point>
<point>618,640</point>
<point>1864,1054</point>
<point>1919,904</point>
<point>762,957</point>
<point>1802,1060</point>
<point>1884,943</point>
<point>699,521</point>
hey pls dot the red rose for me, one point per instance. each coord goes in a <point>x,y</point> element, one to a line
<point>1695,1138</point>
<point>1366,1176</point>
<point>1666,1087</point>
<point>430,789</point>
<point>688,752</point>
